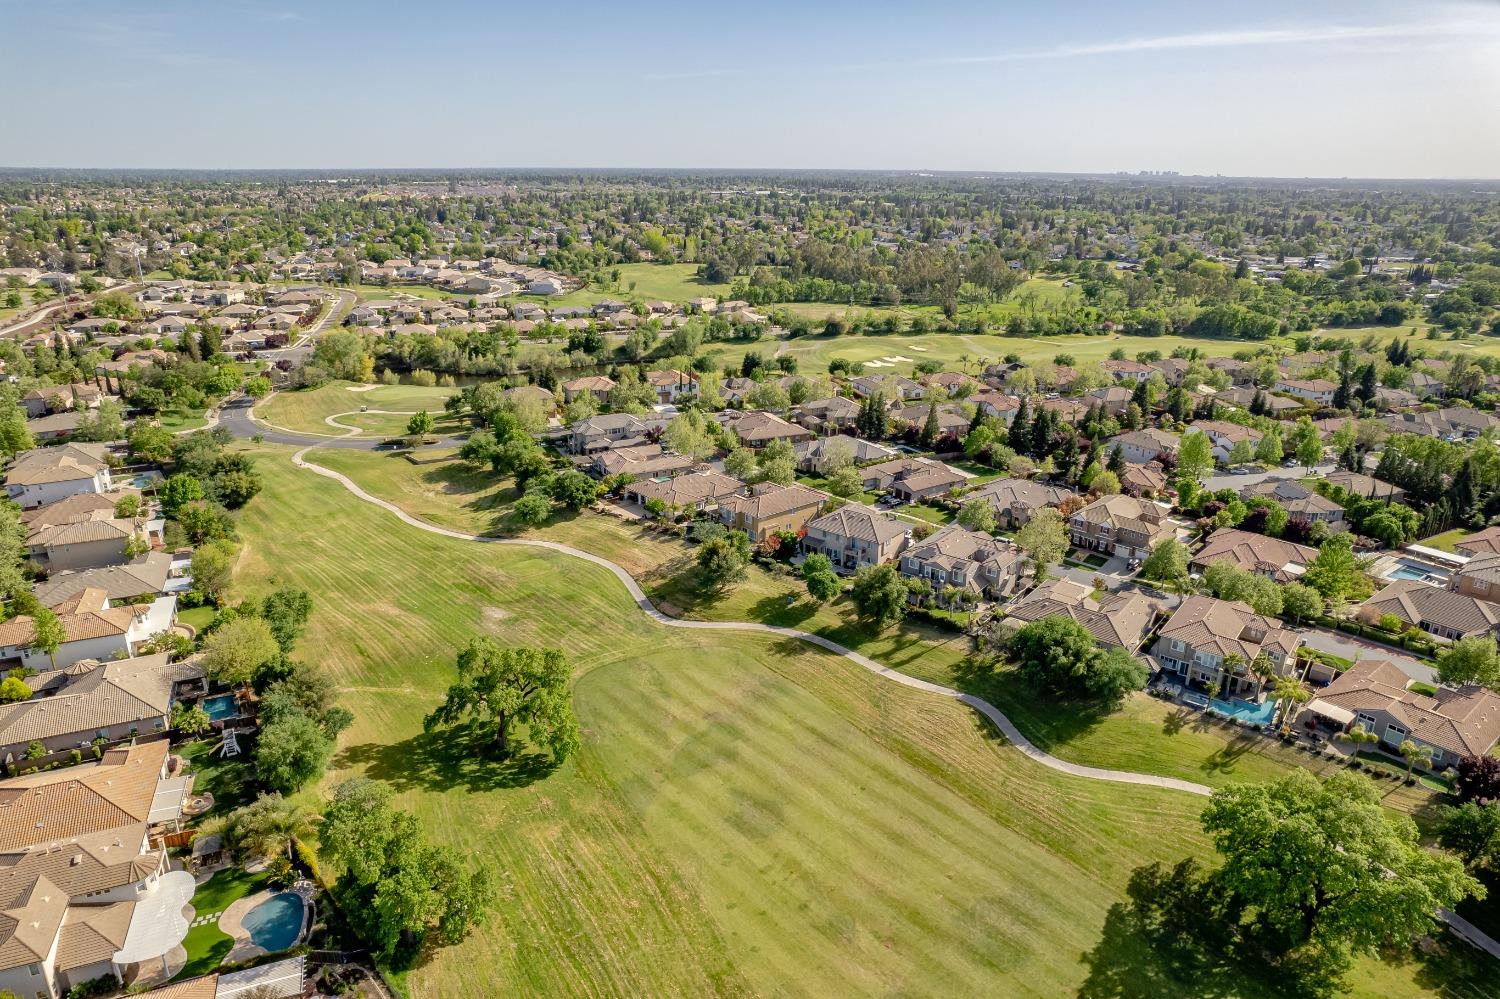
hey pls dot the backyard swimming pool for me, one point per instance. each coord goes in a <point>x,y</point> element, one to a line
<point>1410,572</point>
<point>220,707</point>
<point>276,923</point>
<point>1244,712</point>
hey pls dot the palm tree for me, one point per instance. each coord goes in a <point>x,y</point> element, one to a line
<point>1289,692</point>
<point>1415,753</point>
<point>1357,736</point>
<point>269,825</point>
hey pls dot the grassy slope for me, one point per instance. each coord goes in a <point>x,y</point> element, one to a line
<point>745,816</point>
<point>304,410</point>
<point>1147,735</point>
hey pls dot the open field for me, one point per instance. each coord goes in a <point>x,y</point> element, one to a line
<point>305,410</point>
<point>1146,735</point>
<point>746,816</point>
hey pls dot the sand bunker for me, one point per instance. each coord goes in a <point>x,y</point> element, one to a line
<point>912,346</point>
<point>899,359</point>
<point>361,388</point>
<point>878,364</point>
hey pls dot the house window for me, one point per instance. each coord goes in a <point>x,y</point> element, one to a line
<point>1366,722</point>
<point>1394,734</point>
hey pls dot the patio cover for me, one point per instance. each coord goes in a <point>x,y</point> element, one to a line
<point>1332,712</point>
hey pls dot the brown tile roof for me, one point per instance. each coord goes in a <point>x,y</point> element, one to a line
<point>145,575</point>
<point>1282,560</point>
<point>1414,602</point>
<point>206,987</point>
<point>57,804</point>
<point>29,923</point>
<point>1483,542</point>
<point>1221,627</point>
<point>1118,619</point>
<point>860,523</point>
<point>767,499</point>
<point>83,615</point>
<point>75,507</point>
<point>1465,721</point>
<point>100,695</point>
<point>692,488</point>
<point>93,933</point>
<point>57,464</point>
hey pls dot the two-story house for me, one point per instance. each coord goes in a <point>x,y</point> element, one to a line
<point>1016,500</point>
<point>1478,578</point>
<point>1444,613</point>
<point>1302,505</point>
<point>605,431</point>
<point>1204,632</point>
<point>1120,525</point>
<point>767,508</point>
<point>912,479</point>
<point>671,385</point>
<point>966,560</point>
<point>47,475</point>
<point>1376,695</point>
<point>1140,446</point>
<point>1223,436</point>
<point>855,537</point>
<point>1118,620</point>
<point>1274,558</point>
<point>1318,390</point>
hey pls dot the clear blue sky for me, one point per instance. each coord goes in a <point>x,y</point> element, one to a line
<point>1338,88</point>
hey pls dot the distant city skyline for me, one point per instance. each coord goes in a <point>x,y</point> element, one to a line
<point>1341,89</point>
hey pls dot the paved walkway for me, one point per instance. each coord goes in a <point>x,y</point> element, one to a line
<point>995,716</point>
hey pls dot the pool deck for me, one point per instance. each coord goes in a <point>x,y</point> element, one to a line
<point>232,922</point>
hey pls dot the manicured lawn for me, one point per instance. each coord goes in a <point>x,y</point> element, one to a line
<point>174,420</point>
<point>746,816</point>
<point>305,410</point>
<point>393,424</point>
<point>231,781</point>
<point>1446,540</point>
<point>197,617</point>
<point>374,292</point>
<point>923,513</point>
<point>207,945</point>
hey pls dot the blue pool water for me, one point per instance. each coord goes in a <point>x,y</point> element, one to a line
<point>1244,712</point>
<point>275,923</point>
<point>1409,572</point>
<point>221,707</point>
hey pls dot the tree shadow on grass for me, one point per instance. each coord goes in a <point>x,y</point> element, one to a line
<point>781,612</point>
<point>460,758</point>
<point>1227,757</point>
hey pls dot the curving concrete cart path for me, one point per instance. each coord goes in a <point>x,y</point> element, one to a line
<point>985,708</point>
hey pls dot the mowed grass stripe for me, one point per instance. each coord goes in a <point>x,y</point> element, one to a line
<point>857,842</point>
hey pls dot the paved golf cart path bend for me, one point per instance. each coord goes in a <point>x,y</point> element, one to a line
<point>996,717</point>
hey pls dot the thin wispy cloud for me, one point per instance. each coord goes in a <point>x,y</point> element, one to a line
<point>1332,35</point>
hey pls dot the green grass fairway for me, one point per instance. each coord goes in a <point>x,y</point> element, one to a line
<point>305,410</point>
<point>747,816</point>
<point>1145,735</point>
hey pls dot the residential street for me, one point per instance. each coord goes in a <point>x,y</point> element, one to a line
<point>1353,647</point>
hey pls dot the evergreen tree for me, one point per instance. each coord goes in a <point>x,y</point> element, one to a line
<point>1116,461</point>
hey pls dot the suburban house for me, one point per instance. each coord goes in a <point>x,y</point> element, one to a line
<point>854,537</point>
<point>285,979</point>
<point>47,475</point>
<point>1318,390</point>
<point>1205,631</point>
<point>1485,542</point>
<point>1365,486</point>
<point>1149,479</point>
<point>812,456</point>
<point>1376,695</point>
<point>641,461</point>
<point>912,479</point>
<point>826,415</point>
<point>56,398</point>
<point>1479,578</point>
<point>1240,373</point>
<point>150,575</point>
<point>1016,500</point>
<point>966,560</point>
<point>92,629</point>
<point>895,387</point>
<point>768,508</point>
<point>598,385</point>
<point>1440,612</point>
<point>684,493</point>
<point>85,884</point>
<point>91,700</point>
<point>1244,398</point>
<point>1112,399</point>
<point>1141,446</point>
<point>1118,620</point>
<point>756,429</point>
<point>670,385</point>
<point>88,541</point>
<point>998,405</point>
<point>1282,561</point>
<point>1126,371</point>
<point>950,418</point>
<point>1302,505</point>
<point>607,430</point>
<point>1120,525</point>
<point>1224,435</point>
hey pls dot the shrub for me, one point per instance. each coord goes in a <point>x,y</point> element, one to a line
<point>423,377</point>
<point>307,860</point>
